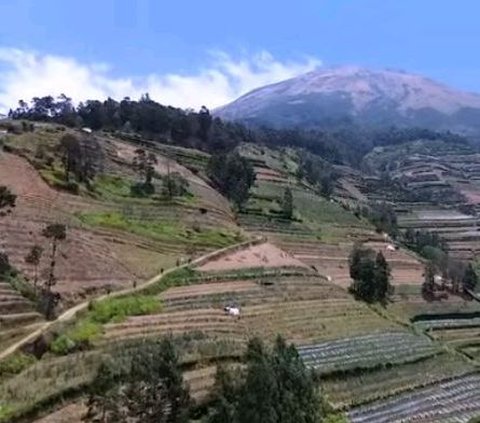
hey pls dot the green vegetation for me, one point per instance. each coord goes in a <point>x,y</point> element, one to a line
<point>287,204</point>
<point>117,309</point>
<point>178,277</point>
<point>318,172</point>
<point>112,186</point>
<point>160,231</point>
<point>233,175</point>
<point>89,327</point>
<point>15,364</point>
<point>275,386</point>
<point>143,385</point>
<point>370,274</point>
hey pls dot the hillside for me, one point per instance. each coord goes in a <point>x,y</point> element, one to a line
<point>331,96</point>
<point>287,276</point>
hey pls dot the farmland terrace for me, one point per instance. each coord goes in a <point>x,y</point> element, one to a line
<point>410,360</point>
<point>112,239</point>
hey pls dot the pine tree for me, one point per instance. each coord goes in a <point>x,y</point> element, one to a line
<point>276,387</point>
<point>146,386</point>
<point>428,285</point>
<point>33,257</point>
<point>470,278</point>
<point>287,203</point>
<point>56,232</point>
<point>382,278</point>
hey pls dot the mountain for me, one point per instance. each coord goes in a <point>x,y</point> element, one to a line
<point>358,95</point>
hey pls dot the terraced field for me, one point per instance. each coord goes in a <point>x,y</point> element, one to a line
<point>366,351</point>
<point>331,260</point>
<point>303,308</point>
<point>456,400</point>
<point>347,390</point>
<point>17,315</point>
<point>112,238</point>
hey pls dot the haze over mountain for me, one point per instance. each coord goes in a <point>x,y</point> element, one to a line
<point>358,95</point>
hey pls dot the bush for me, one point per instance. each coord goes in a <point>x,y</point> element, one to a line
<point>117,309</point>
<point>15,364</point>
<point>62,345</point>
<point>142,190</point>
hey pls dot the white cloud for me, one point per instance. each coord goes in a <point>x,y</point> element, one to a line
<point>26,74</point>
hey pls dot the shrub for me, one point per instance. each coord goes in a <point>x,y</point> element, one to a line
<point>117,309</point>
<point>62,345</point>
<point>15,364</point>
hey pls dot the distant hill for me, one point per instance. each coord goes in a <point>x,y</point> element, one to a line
<point>329,96</point>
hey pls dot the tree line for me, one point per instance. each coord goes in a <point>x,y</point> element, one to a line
<point>145,384</point>
<point>340,144</point>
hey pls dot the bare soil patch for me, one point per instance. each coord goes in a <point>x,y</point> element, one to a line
<point>263,255</point>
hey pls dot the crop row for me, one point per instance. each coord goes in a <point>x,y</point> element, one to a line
<point>358,388</point>
<point>455,400</point>
<point>448,323</point>
<point>367,351</point>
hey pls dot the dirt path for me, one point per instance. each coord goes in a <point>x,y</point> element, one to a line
<point>72,312</point>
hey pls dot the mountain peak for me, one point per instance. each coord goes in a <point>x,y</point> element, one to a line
<point>387,96</point>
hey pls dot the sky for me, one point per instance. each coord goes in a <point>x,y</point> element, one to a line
<point>190,53</point>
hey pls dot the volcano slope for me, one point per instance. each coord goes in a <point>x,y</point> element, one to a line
<point>363,354</point>
<point>113,239</point>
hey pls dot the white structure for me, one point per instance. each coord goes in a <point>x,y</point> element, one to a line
<point>232,311</point>
<point>390,247</point>
<point>87,130</point>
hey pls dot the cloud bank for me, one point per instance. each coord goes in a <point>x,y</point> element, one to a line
<point>26,74</point>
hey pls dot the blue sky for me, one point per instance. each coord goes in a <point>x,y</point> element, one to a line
<point>194,52</point>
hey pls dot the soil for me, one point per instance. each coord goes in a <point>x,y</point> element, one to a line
<point>263,255</point>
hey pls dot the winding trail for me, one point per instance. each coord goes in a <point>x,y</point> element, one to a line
<point>72,312</point>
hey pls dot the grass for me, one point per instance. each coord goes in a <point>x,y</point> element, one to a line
<point>15,364</point>
<point>179,277</point>
<point>111,185</point>
<point>161,231</point>
<point>89,328</point>
<point>118,309</point>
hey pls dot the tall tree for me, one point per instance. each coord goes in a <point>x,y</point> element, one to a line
<point>382,278</point>
<point>144,162</point>
<point>146,386</point>
<point>233,175</point>
<point>470,278</point>
<point>428,286</point>
<point>71,152</point>
<point>370,274</point>
<point>274,387</point>
<point>57,233</point>
<point>287,203</point>
<point>33,257</point>
<point>7,203</point>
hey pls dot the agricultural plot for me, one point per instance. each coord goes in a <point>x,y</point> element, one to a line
<point>331,260</point>
<point>456,400</point>
<point>367,351</point>
<point>113,239</point>
<point>301,308</point>
<point>17,315</point>
<point>460,332</point>
<point>347,390</point>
